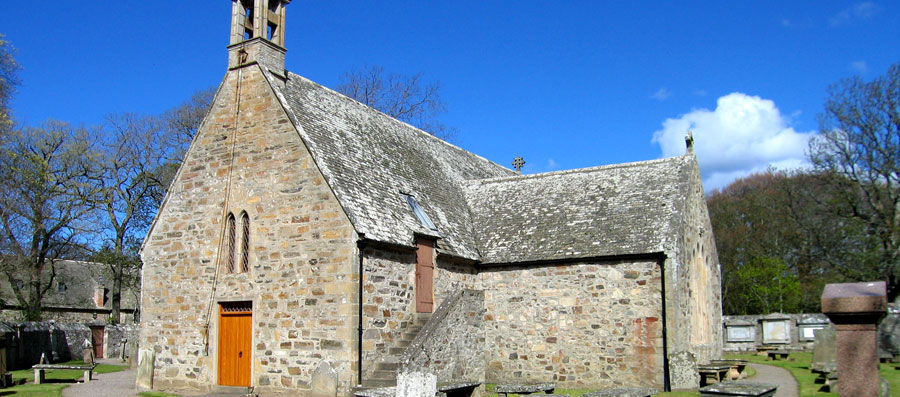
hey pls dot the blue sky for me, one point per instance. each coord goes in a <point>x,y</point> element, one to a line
<point>564,84</point>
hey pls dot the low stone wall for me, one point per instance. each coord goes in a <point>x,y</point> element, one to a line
<point>451,345</point>
<point>59,342</point>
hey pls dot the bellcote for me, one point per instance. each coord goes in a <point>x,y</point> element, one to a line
<point>257,34</point>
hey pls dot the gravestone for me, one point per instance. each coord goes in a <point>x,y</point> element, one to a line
<point>416,384</point>
<point>808,324</point>
<point>824,358</point>
<point>855,309</point>
<point>776,329</point>
<point>324,381</point>
<point>144,379</point>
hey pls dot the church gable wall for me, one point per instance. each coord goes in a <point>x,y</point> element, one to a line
<point>302,279</point>
<point>693,282</point>
<point>582,325</point>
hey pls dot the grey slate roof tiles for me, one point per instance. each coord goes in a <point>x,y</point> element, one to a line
<point>620,209</point>
<point>369,158</point>
<point>482,211</point>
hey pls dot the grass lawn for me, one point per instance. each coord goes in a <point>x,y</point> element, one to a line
<point>578,392</point>
<point>798,365</point>
<point>56,380</point>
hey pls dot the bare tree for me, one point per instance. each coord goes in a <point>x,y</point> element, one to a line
<point>8,82</point>
<point>859,153</point>
<point>182,121</point>
<point>406,98</point>
<point>133,151</point>
<point>46,196</point>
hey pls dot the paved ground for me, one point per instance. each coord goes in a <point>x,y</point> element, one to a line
<point>787,386</point>
<point>113,384</point>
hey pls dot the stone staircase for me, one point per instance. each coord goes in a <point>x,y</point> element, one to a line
<point>385,374</point>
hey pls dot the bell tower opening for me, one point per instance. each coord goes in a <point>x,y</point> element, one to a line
<point>257,33</point>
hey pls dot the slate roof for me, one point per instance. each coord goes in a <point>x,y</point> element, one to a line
<point>369,158</point>
<point>620,209</point>
<point>483,211</point>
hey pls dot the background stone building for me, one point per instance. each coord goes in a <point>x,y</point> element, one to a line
<point>307,237</point>
<point>79,293</point>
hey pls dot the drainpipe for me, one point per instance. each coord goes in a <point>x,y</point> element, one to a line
<point>361,246</point>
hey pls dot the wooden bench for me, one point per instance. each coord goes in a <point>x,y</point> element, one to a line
<point>40,368</point>
<point>775,354</point>
<point>504,390</point>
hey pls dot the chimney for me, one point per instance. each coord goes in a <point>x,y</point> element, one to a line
<point>257,34</point>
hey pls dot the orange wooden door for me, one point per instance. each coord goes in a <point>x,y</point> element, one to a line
<point>234,347</point>
<point>424,275</point>
<point>97,341</point>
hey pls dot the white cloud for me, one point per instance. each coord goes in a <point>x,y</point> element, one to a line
<point>859,66</point>
<point>859,11</point>
<point>551,165</point>
<point>661,94</point>
<point>744,134</point>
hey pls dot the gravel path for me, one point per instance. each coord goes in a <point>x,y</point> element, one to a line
<point>787,386</point>
<point>114,384</point>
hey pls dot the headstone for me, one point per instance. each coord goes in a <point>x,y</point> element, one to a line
<point>324,381</point>
<point>416,384</point>
<point>740,330</point>
<point>824,350</point>
<point>87,351</point>
<point>808,324</point>
<point>855,309</point>
<point>776,329</point>
<point>684,370</point>
<point>144,379</point>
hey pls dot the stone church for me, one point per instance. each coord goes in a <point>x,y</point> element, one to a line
<point>310,245</point>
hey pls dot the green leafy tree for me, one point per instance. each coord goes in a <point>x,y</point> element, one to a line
<point>766,285</point>
<point>858,152</point>
<point>785,216</point>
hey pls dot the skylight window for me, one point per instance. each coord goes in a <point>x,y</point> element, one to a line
<point>420,213</point>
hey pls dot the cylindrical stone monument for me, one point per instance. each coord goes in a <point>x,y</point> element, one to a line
<point>855,309</point>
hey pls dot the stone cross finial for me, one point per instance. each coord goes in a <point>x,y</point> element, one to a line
<point>689,142</point>
<point>517,163</point>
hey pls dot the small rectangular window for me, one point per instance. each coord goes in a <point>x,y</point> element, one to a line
<point>420,213</point>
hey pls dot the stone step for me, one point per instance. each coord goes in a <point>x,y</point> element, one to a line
<point>396,351</point>
<point>369,383</point>
<point>387,366</point>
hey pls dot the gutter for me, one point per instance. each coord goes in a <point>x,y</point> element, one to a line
<point>361,246</point>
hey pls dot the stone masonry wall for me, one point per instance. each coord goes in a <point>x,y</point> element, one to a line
<point>389,293</point>
<point>25,342</point>
<point>389,302</point>
<point>693,289</point>
<point>581,325</point>
<point>303,276</point>
<point>451,345</point>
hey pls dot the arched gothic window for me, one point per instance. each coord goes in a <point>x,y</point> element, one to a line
<point>229,243</point>
<point>245,242</point>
